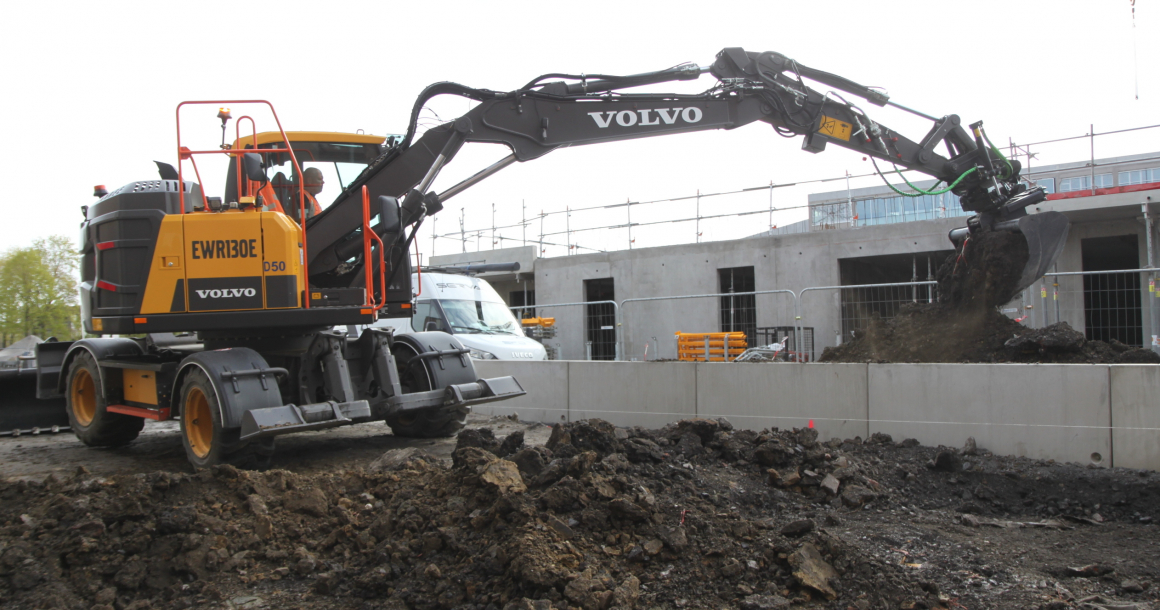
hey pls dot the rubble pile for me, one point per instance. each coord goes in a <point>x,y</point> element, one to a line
<point>694,515</point>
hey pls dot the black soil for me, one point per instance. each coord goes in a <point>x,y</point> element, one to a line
<point>965,325</point>
<point>695,515</point>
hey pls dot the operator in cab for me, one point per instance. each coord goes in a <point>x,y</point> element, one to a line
<point>312,183</point>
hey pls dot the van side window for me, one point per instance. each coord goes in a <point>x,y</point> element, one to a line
<point>427,317</point>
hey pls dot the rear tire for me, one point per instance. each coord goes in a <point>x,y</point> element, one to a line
<point>87,404</point>
<point>206,442</point>
<point>202,434</point>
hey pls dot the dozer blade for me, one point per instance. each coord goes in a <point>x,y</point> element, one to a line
<point>1046,234</point>
<point>21,412</point>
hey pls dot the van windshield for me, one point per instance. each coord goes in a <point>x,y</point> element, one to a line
<point>471,317</point>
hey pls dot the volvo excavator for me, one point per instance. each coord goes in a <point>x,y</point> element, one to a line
<point>222,310</point>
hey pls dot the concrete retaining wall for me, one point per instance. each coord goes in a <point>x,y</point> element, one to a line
<point>1048,411</point>
<point>1079,413</point>
<point>760,396</point>
<point>1136,416</point>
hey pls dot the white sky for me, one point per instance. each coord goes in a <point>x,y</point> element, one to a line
<point>91,89</point>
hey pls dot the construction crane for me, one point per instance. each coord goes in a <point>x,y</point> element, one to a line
<point>237,298</point>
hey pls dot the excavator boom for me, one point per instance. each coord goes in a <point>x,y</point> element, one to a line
<point>767,87</point>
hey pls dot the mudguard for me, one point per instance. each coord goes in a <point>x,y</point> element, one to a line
<point>99,348</point>
<point>241,379</point>
<point>441,370</point>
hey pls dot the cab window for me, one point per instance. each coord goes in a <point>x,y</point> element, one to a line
<point>339,163</point>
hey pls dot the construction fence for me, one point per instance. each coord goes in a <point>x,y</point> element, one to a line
<point>1119,305</point>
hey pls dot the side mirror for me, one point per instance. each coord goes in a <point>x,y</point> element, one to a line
<point>389,223</point>
<point>252,164</point>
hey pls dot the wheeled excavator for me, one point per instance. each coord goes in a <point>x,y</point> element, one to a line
<point>224,309</point>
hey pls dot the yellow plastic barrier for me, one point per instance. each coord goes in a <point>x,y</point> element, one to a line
<point>691,346</point>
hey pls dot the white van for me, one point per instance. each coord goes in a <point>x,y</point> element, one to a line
<point>473,311</point>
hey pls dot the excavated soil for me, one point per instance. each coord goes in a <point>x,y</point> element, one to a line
<point>695,515</point>
<point>965,326</point>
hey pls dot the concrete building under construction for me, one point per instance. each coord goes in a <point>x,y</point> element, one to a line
<point>851,239</point>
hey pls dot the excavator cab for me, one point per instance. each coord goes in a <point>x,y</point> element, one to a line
<point>338,158</point>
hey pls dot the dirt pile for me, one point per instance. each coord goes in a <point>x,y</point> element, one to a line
<point>965,325</point>
<point>938,333</point>
<point>694,515</point>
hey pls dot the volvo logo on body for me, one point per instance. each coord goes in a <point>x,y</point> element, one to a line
<point>645,117</point>
<point>227,293</point>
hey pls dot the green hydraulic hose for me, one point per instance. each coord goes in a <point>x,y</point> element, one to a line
<point>920,192</point>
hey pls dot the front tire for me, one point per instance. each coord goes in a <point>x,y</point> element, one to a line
<point>87,403</point>
<point>427,424</point>
<point>416,376</point>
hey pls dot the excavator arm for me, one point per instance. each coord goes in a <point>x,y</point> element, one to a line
<point>559,110</point>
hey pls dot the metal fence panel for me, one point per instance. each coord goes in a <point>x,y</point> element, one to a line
<point>1104,305</point>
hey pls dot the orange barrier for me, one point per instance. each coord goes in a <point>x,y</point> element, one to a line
<point>708,347</point>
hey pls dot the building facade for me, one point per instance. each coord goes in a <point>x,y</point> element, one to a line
<point>851,239</point>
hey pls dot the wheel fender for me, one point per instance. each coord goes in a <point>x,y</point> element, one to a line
<point>235,394</point>
<point>99,349</point>
<point>446,370</point>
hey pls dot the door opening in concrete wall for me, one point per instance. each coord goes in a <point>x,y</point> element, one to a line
<point>521,301</point>
<point>738,313</point>
<point>860,305</point>
<point>600,319</point>
<point>1111,301</point>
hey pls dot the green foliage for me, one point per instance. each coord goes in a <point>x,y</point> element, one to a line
<point>38,291</point>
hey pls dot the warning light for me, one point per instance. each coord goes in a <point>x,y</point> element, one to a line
<point>100,191</point>
<point>224,114</point>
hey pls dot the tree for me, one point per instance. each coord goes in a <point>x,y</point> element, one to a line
<point>38,291</point>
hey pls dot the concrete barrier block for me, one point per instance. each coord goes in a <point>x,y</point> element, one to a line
<point>649,394</point>
<point>757,396</point>
<point>546,384</point>
<point>1136,416</point>
<point>1046,411</point>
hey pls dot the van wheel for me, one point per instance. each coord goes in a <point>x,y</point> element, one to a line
<point>87,406</point>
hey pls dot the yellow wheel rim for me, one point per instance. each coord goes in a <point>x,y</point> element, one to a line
<point>198,422</point>
<point>83,397</point>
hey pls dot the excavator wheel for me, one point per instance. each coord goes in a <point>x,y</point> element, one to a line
<point>425,424</point>
<point>206,442</point>
<point>87,414</point>
<point>416,376</point>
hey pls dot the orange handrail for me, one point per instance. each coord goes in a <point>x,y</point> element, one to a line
<point>368,266</point>
<point>185,153</point>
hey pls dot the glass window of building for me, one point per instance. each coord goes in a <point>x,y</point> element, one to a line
<point>1103,181</point>
<point>1137,176</point>
<point>1047,183</point>
<point>1075,183</point>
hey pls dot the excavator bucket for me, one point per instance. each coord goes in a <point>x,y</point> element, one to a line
<point>1046,234</point>
<point>20,411</point>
